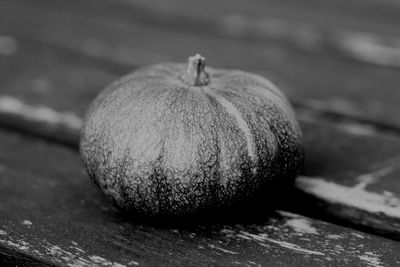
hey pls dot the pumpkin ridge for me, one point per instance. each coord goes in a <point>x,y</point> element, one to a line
<point>283,104</point>
<point>241,123</point>
<point>250,83</point>
<point>269,94</point>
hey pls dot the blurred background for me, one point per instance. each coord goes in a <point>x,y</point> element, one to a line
<point>339,57</point>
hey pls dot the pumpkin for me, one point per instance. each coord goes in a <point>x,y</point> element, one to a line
<point>171,139</point>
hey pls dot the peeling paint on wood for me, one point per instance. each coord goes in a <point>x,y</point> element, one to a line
<point>69,227</point>
<point>27,223</point>
<point>355,196</point>
<point>325,188</point>
<point>69,84</point>
<point>371,259</point>
<point>71,256</point>
<point>16,107</point>
<point>300,225</point>
<point>223,250</point>
<point>315,245</point>
<point>261,238</point>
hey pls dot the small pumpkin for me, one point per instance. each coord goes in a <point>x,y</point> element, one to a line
<point>174,140</point>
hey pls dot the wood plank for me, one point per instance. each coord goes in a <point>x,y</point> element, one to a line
<point>316,22</point>
<point>39,73</point>
<point>351,175</point>
<point>53,108</point>
<point>320,81</point>
<point>365,16</point>
<point>56,215</point>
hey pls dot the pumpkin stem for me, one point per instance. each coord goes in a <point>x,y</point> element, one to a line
<point>195,73</point>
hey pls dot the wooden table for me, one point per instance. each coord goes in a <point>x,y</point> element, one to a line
<point>338,63</point>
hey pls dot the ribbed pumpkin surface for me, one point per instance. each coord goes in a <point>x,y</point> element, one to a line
<point>174,140</point>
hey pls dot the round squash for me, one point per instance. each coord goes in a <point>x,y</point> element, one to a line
<point>176,139</point>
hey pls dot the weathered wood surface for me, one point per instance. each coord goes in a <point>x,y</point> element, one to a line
<point>51,212</point>
<point>318,79</point>
<point>55,86</point>
<point>55,56</point>
<point>351,174</point>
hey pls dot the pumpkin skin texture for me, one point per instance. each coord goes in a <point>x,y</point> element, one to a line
<point>174,139</point>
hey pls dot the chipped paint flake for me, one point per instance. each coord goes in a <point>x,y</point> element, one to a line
<point>12,105</point>
<point>222,249</point>
<point>44,249</point>
<point>192,235</point>
<point>15,244</point>
<point>356,196</point>
<point>302,226</point>
<point>27,223</point>
<point>358,235</point>
<point>250,236</point>
<point>78,249</point>
<point>371,259</point>
<point>103,262</point>
<point>293,247</point>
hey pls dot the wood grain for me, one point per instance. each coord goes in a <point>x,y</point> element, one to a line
<point>57,56</point>
<point>54,88</point>
<point>57,216</point>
